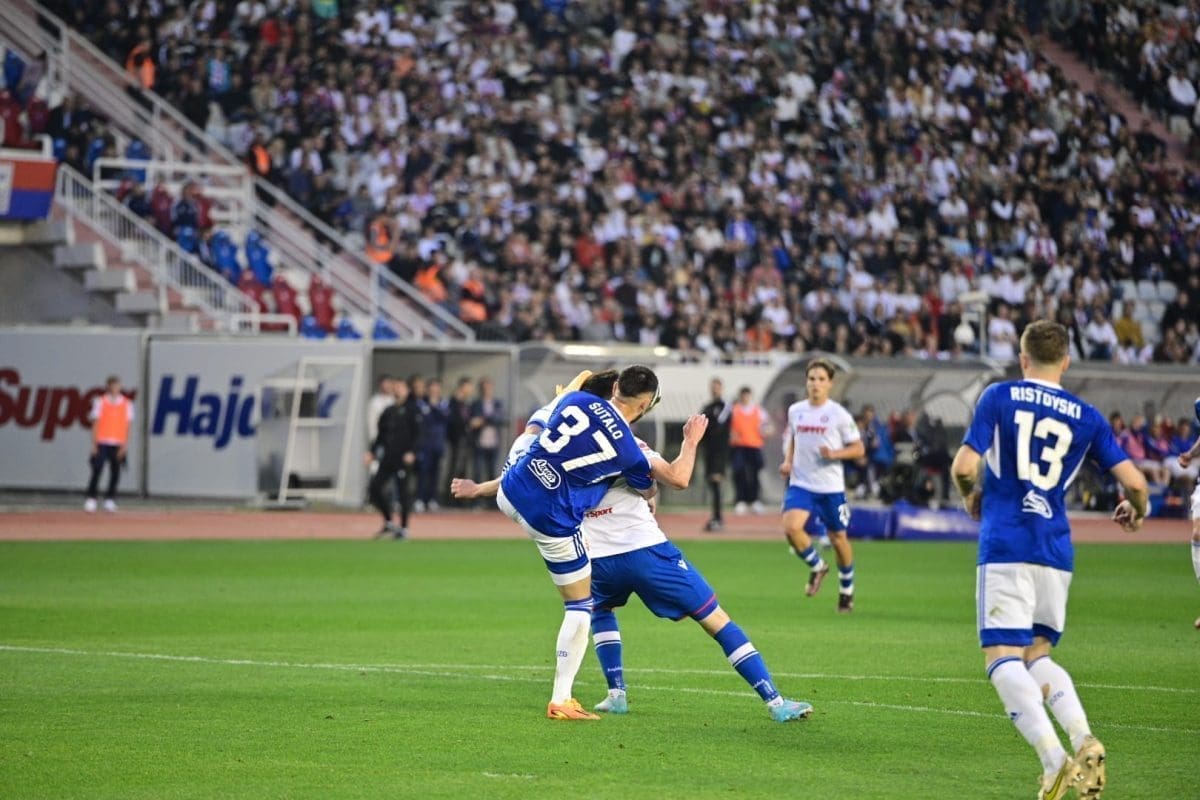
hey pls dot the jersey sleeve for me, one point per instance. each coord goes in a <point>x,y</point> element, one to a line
<point>983,424</point>
<point>635,466</point>
<point>1105,449</point>
<point>94,413</point>
<point>848,428</point>
<point>543,414</point>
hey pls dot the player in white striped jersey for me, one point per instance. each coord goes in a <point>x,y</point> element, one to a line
<point>821,434</point>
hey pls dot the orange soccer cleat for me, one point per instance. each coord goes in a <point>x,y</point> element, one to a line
<point>570,709</point>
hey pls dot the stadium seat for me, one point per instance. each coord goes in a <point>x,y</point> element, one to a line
<point>257,256</point>
<point>94,151</point>
<point>186,238</point>
<point>1147,290</point>
<point>1167,291</point>
<point>1141,311</point>
<point>1151,331</point>
<point>383,331</point>
<point>137,151</point>
<point>309,328</point>
<point>1126,289</point>
<point>346,330</point>
<point>1155,310</point>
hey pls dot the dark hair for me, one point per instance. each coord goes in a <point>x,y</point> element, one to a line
<point>1045,342</point>
<point>111,379</point>
<point>382,378</point>
<point>821,363</point>
<point>637,380</point>
<point>601,383</point>
<point>744,390</point>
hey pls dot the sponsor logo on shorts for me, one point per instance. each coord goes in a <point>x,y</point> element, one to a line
<point>598,512</point>
<point>1034,503</point>
<point>545,473</point>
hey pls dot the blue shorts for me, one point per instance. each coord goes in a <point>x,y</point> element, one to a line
<point>832,508</point>
<point>660,575</point>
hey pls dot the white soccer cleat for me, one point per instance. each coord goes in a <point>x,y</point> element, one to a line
<point>613,704</point>
<point>110,506</point>
<point>740,509</point>
<point>89,505</point>
<point>1090,758</point>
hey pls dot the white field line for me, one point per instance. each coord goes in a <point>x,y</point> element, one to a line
<point>462,671</point>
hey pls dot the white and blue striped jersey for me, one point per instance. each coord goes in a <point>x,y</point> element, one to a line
<point>585,446</point>
<point>1034,437</point>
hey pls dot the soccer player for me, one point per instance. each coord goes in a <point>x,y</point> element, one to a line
<point>586,444</point>
<point>821,435</point>
<point>631,554</point>
<point>1029,438</point>
<point>1185,460</point>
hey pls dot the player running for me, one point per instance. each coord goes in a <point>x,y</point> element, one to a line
<point>1032,436</point>
<point>587,443</point>
<point>631,554</point>
<point>821,434</point>
<point>1185,460</point>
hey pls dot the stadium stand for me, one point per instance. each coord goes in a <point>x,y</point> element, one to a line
<point>721,179</point>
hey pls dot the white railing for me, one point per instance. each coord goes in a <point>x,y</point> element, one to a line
<point>171,267</point>
<point>291,230</point>
<point>230,188</point>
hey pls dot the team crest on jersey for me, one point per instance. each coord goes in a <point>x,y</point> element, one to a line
<point>1034,503</point>
<point>682,564</point>
<point>545,472</point>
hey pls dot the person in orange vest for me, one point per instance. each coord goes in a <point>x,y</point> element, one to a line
<point>748,423</point>
<point>381,240</point>
<point>140,64</point>
<point>111,417</point>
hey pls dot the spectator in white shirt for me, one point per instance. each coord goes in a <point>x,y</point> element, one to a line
<point>1100,338</point>
<point>1002,335</point>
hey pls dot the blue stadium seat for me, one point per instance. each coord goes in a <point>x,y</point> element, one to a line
<point>14,68</point>
<point>137,151</point>
<point>185,237</point>
<point>225,256</point>
<point>257,254</point>
<point>384,332</point>
<point>94,151</point>
<point>1167,291</point>
<point>60,149</point>
<point>309,328</point>
<point>346,330</point>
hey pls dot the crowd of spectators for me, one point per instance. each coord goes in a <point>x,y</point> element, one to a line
<point>718,177</point>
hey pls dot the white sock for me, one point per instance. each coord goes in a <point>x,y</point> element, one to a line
<point>1059,692</point>
<point>1196,557</point>
<point>614,693</point>
<point>1023,701</point>
<point>572,645</point>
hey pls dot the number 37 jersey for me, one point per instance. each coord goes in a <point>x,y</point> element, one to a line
<point>1034,437</point>
<point>586,445</point>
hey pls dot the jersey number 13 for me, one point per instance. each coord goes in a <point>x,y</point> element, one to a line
<point>1046,472</point>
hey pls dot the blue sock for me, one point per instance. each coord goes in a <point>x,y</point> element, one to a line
<point>811,557</point>
<point>607,639</point>
<point>746,660</point>
<point>846,578</point>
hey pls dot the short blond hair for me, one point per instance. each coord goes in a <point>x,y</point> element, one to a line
<point>821,363</point>
<point>1045,342</point>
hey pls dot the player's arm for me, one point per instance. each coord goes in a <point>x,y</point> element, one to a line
<point>467,489</point>
<point>678,473</point>
<point>785,469</point>
<point>853,450</point>
<point>1131,511</point>
<point>965,470</point>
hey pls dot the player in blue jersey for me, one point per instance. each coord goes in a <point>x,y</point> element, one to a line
<point>631,554</point>
<point>586,445</point>
<point>1029,438</point>
<point>1185,460</point>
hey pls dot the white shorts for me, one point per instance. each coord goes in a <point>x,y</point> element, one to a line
<point>1016,602</point>
<point>565,556</point>
<point>1196,504</point>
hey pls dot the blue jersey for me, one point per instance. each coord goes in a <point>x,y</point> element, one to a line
<point>585,446</point>
<point>1034,437</point>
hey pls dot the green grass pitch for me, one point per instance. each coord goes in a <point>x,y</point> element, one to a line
<point>421,669</point>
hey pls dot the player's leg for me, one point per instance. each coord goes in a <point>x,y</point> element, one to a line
<point>571,572</point>
<point>97,464</point>
<point>797,506</point>
<point>834,512</point>
<point>1057,688</point>
<point>737,461</point>
<point>715,480</point>
<point>609,592</point>
<point>113,454</point>
<point>753,479</point>
<point>404,498</point>
<point>749,663</point>
<point>1005,599</point>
